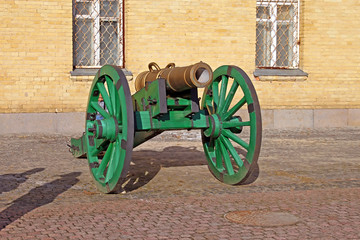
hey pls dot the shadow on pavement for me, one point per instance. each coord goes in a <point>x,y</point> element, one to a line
<point>37,197</point>
<point>12,181</point>
<point>146,164</point>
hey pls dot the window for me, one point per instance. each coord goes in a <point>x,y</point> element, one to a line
<point>98,33</point>
<point>277,34</point>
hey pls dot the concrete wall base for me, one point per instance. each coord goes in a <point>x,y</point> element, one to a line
<point>311,118</point>
<point>74,123</point>
<point>63,123</point>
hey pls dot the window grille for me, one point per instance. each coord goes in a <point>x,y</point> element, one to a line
<point>277,34</point>
<point>98,33</point>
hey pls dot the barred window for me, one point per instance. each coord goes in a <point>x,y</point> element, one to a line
<point>277,34</point>
<point>97,33</point>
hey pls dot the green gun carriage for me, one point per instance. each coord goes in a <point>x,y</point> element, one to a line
<point>167,99</point>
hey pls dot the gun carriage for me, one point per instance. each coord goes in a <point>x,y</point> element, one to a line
<point>167,99</point>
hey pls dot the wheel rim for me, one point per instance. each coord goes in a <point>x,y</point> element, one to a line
<point>109,128</point>
<point>231,157</point>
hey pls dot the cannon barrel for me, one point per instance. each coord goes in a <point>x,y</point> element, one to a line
<point>178,79</point>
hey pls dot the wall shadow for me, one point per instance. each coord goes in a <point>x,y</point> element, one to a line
<point>37,197</point>
<point>12,181</point>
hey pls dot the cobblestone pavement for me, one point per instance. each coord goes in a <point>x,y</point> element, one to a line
<point>311,175</point>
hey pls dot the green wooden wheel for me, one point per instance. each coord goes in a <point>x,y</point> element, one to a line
<point>109,128</point>
<point>232,143</point>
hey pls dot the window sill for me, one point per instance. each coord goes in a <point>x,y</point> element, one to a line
<point>87,74</point>
<point>280,75</point>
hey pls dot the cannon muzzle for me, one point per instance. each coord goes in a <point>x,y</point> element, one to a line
<point>178,79</point>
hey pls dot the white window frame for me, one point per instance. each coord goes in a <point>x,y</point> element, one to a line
<point>95,16</point>
<point>273,33</point>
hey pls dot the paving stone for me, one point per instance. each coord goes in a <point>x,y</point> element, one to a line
<point>311,174</point>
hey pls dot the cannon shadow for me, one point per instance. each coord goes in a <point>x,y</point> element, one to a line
<point>12,181</point>
<point>36,198</point>
<point>146,164</point>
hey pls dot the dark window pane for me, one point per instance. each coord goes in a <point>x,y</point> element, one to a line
<point>263,44</point>
<point>109,53</point>
<point>283,53</point>
<point>263,12</point>
<point>83,43</point>
<point>109,8</point>
<point>285,12</point>
<point>83,8</point>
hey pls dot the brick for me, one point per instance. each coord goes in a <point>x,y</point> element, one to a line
<point>37,40</point>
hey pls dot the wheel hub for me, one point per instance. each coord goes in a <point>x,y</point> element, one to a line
<point>215,126</point>
<point>107,128</point>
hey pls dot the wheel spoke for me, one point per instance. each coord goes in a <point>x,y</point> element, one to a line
<point>122,153</point>
<point>227,159</point>
<point>112,92</point>
<point>209,106</point>
<point>118,105</point>
<point>232,151</point>
<point>98,108</point>
<point>113,162</point>
<point>224,82</point>
<point>219,164</point>
<point>235,123</point>
<point>215,90</point>
<point>230,96</point>
<point>105,96</point>
<point>100,148</point>
<point>235,138</point>
<point>207,146</point>
<point>234,109</point>
<point>212,143</point>
<point>105,160</point>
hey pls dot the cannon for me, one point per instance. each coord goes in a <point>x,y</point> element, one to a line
<point>228,116</point>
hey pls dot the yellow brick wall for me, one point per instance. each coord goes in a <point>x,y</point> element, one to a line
<point>36,50</point>
<point>186,32</point>
<point>329,53</point>
<point>36,57</point>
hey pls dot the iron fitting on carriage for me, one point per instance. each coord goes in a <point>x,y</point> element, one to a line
<point>178,79</point>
